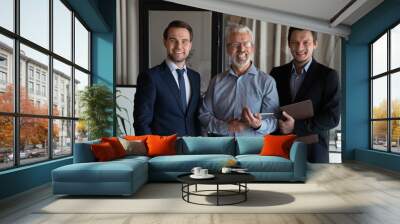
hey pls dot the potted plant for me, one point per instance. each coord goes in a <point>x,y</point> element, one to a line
<point>97,105</point>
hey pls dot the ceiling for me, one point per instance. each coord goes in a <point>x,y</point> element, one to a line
<point>327,16</point>
<point>318,9</point>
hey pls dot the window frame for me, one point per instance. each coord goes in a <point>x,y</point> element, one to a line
<point>388,74</point>
<point>15,72</point>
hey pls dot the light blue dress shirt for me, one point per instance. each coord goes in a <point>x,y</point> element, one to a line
<point>297,79</point>
<point>229,93</point>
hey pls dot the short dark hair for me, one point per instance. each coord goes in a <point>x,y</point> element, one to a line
<point>178,24</point>
<point>292,29</point>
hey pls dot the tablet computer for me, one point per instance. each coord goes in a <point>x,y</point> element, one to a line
<point>300,110</point>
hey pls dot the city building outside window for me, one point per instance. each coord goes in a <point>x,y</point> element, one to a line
<point>3,61</point>
<point>43,90</point>
<point>3,72</point>
<point>30,87</point>
<point>37,74</point>
<point>30,72</point>
<point>56,127</point>
<point>38,89</point>
<point>3,78</point>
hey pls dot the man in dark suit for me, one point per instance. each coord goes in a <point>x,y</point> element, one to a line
<point>304,78</point>
<point>168,95</point>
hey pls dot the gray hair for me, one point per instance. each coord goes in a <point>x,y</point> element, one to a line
<point>238,28</point>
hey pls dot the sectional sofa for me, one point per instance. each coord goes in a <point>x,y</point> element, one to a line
<point>125,176</point>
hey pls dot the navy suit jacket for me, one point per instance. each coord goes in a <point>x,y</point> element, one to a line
<point>157,106</point>
<point>321,86</point>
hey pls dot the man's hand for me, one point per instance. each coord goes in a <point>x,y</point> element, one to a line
<point>286,123</point>
<point>250,119</point>
<point>236,126</point>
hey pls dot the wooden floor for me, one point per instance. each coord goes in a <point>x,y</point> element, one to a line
<point>377,188</point>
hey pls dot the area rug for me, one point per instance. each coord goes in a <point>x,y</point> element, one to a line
<point>167,198</point>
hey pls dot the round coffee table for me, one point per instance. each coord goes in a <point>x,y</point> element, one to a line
<point>238,179</point>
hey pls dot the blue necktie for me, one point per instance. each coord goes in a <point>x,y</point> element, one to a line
<point>182,88</point>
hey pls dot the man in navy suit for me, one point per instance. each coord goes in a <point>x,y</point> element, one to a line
<point>304,78</point>
<point>168,95</point>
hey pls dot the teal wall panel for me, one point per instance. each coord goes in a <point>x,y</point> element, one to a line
<point>380,159</point>
<point>103,58</point>
<point>24,178</point>
<point>356,83</point>
<point>356,99</point>
<point>90,12</point>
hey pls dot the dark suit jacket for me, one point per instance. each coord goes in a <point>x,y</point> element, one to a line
<point>321,86</point>
<point>157,106</point>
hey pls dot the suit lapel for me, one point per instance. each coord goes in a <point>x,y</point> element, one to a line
<point>308,81</point>
<point>171,83</point>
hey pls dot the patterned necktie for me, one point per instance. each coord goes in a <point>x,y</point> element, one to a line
<point>182,88</point>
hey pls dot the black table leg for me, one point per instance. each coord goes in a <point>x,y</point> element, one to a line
<point>217,194</point>
<point>245,193</point>
<point>182,190</point>
<point>188,190</point>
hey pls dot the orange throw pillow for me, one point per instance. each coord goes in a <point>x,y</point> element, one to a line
<point>161,145</point>
<point>134,137</point>
<point>103,152</point>
<point>277,145</point>
<point>116,145</point>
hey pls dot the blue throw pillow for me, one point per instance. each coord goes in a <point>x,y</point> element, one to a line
<point>208,145</point>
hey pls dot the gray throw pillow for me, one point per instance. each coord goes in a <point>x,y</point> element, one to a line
<point>134,147</point>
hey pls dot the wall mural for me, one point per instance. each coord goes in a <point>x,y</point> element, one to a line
<point>124,97</point>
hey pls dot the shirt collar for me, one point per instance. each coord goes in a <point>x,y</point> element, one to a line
<point>172,66</point>
<point>251,70</point>
<point>305,67</point>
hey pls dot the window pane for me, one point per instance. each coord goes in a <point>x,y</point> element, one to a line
<point>81,131</point>
<point>379,97</point>
<point>62,89</point>
<point>62,137</point>
<point>34,72</point>
<point>35,21</point>
<point>379,55</point>
<point>33,140</point>
<point>379,135</point>
<point>395,132</point>
<point>81,45</point>
<point>6,74</point>
<point>62,29</point>
<point>6,142</point>
<point>395,47</point>
<point>7,14</point>
<point>395,95</point>
<point>81,81</point>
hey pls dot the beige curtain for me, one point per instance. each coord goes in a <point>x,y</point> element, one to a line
<point>272,47</point>
<point>127,53</point>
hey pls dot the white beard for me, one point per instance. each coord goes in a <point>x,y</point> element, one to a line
<point>240,64</point>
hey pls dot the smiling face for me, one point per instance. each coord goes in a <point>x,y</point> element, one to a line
<point>178,45</point>
<point>301,46</point>
<point>241,49</point>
